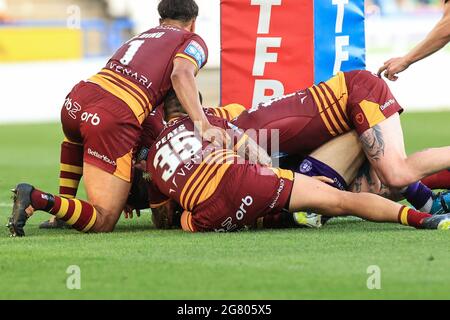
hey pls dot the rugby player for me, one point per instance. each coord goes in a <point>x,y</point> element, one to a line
<point>360,101</point>
<point>221,191</point>
<point>340,159</point>
<point>438,37</point>
<point>355,100</point>
<point>102,121</point>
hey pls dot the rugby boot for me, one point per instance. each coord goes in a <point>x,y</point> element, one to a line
<point>22,209</point>
<point>308,219</point>
<point>441,203</point>
<point>437,222</point>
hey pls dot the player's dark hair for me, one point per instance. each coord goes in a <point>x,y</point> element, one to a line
<point>182,10</point>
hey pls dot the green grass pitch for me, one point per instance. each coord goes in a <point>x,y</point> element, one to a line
<point>139,262</point>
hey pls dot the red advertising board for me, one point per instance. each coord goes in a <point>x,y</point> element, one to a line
<point>267,49</point>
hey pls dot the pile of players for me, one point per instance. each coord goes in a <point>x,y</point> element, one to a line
<point>138,135</point>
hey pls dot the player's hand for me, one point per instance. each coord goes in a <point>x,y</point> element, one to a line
<point>141,165</point>
<point>324,179</point>
<point>128,212</point>
<point>254,152</point>
<point>392,67</point>
<point>218,136</point>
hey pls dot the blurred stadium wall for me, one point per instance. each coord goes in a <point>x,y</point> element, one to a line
<point>46,46</point>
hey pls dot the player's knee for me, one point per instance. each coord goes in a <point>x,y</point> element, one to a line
<point>396,178</point>
<point>105,221</point>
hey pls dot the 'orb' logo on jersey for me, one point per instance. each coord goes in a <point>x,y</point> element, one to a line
<point>246,202</point>
<point>87,117</point>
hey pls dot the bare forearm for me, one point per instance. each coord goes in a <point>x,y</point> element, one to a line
<point>187,92</point>
<point>435,41</point>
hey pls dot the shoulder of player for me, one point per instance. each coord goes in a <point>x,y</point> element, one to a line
<point>191,36</point>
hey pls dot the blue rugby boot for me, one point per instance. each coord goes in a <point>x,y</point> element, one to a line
<point>441,203</point>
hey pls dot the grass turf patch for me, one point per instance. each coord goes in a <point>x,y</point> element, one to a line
<point>139,262</point>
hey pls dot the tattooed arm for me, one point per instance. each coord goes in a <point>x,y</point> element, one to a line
<point>373,143</point>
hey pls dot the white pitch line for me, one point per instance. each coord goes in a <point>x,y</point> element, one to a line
<point>5,205</point>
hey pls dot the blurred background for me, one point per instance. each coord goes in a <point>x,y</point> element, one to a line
<point>46,46</point>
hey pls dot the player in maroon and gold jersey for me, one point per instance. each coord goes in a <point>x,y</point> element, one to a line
<point>307,119</point>
<point>102,121</point>
<point>339,159</point>
<point>360,101</point>
<point>222,191</point>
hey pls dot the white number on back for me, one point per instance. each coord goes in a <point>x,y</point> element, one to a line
<point>131,52</point>
<point>180,149</point>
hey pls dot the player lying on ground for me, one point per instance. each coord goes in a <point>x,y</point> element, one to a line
<point>340,159</point>
<point>102,121</point>
<point>307,119</point>
<point>348,171</point>
<point>184,184</point>
<point>356,100</point>
<point>224,192</point>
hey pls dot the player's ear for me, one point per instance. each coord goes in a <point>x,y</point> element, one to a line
<point>192,28</point>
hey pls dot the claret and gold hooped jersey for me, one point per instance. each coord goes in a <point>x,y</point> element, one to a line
<point>306,119</point>
<point>186,168</point>
<point>139,72</point>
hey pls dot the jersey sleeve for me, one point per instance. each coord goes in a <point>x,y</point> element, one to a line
<point>195,50</point>
<point>155,196</point>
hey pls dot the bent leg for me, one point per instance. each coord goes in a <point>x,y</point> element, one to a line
<point>108,194</point>
<point>70,173</point>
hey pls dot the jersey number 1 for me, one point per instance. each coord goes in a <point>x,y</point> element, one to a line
<point>131,52</point>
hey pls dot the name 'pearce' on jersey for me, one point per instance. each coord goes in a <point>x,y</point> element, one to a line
<point>147,59</point>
